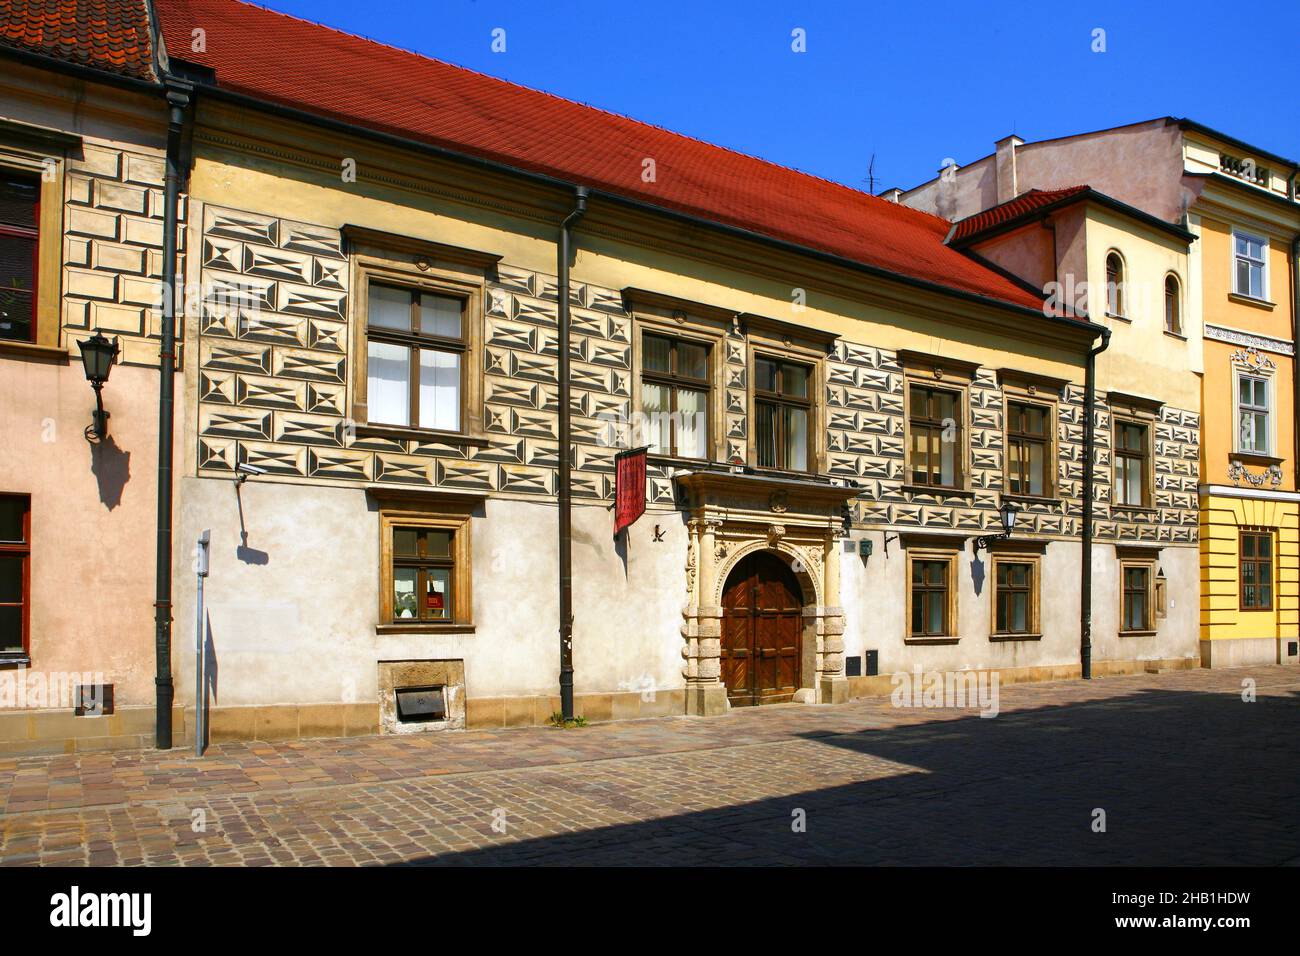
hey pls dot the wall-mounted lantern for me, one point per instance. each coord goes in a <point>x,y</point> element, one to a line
<point>1008,512</point>
<point>98,355</point>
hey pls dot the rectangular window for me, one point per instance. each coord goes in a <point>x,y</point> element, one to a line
<point>425,572</point>
<point>783,414</point>
<point>930,597</point>
<point>415,358</point>
<point>675,396</point>
<point>935,437</point>
<point>15,575</point>
<point>1136,606</point>
<point>1014,597</point>
<point>1250,265</point>
<point>1132,463</point>
<point>20,217</point>
<point>1029,449</point>
<point>1252,414</point>
<point>1256,562</point>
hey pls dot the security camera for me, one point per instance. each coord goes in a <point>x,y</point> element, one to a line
<point>246,471</point>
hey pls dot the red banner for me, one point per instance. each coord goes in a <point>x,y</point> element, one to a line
<point>629,487</point>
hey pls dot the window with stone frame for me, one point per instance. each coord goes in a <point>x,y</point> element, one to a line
<point>20,217</point>
<point>675,395</point>
<point>783,413</point>
<point>1137,587</point>
<point>1030,464</point>
<point>932,594</point>
<point>1015,596</point>
<point>1255,566</point>
<point>425,565</point>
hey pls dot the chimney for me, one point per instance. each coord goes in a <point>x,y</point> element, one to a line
<point>1005,158</point>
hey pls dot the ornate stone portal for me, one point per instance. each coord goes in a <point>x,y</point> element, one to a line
<point>732,515</point>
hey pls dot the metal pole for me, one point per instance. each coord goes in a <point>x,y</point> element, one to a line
<point>177,100</point>
<point>1089,441</point>
<point>565,464</point>
<point>201,570</point>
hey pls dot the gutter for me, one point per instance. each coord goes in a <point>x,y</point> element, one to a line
<point>1089,454</point>
<point>178,93</point>
<point>565,463</point>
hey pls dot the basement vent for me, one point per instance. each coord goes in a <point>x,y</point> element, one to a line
<point>420,704</point>
<point>1292,648</point>
<point>93,700</point>
<point>873,663</point>
<point>853,666</point>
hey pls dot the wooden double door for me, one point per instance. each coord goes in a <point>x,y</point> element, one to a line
<point>762,631</point>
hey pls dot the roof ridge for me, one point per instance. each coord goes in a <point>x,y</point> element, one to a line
<point>939,221</point>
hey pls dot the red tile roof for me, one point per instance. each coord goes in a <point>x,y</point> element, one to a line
<point>112,35</point>
<point>278,58</point>
<point>1013,209</point>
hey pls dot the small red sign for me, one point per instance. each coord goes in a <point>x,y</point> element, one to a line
<point>629,487</point>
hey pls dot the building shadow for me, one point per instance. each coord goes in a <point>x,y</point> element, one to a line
<point>1178,779</point>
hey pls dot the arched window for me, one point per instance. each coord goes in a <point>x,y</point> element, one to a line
<point>1114,284</point>
<point>1173,306</point>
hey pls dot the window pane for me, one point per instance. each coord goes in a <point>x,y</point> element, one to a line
<point>11,630</point>
<point>1265,545</point>
<point>692,360</point>
<point>1133,482</point>
<point>11,579</point>
<point>404,582</point>
<point>437,597</point>
<point>389,308</point>
<point>437,544</point>
<point>404,541</point>
<point>655,407</point>
<point>1248,572</point>
<point>947,460</point>
<point>765,434</point>
<point>12,510</point>
<point>934,617</point>
<point>918,613</point>
<point>18,202</point>
<point>440,315</point>
<point>1266,595</point>
<point>796,438</point>
<point>439,390</point>
<point>656,354</point>
<point>17,268</point>
<point>1248,545</point>
<point>1037,470</point>
<point>764,375</point>
<point>388,388</point>
<point>1020,612</point>
<point>794,381</point>
<point>692,423</point>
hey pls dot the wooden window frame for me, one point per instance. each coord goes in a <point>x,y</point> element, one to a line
<point>23,551</point>
<point>1035,631</point>
<point>778,399</point>
<point>1177,302</point>
<point>1268,535</point>
<point>458,522</point>
<point>1149,565</point>
<point>42,155</point>
<point>1269,418</point>
<point>1131,410</point>
<point>946,374</point>
<point>952,624</point>
<point>1118,308</point>
<point>679,331</point>
<point>1263,240</point>
<point>1047,440</point>
<point>773,341</point>
<point>428,268</point>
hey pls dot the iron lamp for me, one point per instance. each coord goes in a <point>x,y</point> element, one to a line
<point>98,356</point>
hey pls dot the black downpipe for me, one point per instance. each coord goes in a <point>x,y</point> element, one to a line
<point>1089,444</point>
<point>566,463</point>
<point>178,100</point>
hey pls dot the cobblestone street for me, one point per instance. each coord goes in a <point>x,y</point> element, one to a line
<point>1185,771</point>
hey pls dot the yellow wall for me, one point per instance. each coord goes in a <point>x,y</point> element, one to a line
<point>1221,616</point>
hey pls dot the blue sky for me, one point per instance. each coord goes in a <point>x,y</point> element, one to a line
<point>914,83</point>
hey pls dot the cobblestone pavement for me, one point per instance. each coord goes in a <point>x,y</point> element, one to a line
<point>1185,771</point>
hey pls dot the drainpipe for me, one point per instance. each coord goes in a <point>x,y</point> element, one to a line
<point>178,99</point>
<point>1089,443</point>
<point>566,463</point>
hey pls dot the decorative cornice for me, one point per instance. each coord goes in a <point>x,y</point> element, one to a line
<point>1237,472</point>
<point>1250,340</point>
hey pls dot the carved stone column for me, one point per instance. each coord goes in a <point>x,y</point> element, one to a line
<point>706,695</point>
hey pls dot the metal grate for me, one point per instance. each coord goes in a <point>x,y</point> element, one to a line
<point>420,704</point>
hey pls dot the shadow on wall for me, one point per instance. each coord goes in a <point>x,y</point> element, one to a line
<point>111,467</point>
<point>243,552</point>
<point>1167,769</point>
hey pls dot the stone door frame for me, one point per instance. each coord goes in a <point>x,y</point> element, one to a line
<point>731,516</point>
